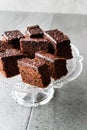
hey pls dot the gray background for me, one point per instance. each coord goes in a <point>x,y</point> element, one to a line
<point>57,6</point>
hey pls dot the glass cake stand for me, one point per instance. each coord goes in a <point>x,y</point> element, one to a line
<point>27,95</point>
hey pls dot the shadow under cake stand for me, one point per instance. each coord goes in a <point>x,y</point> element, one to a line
<point>27,95</point>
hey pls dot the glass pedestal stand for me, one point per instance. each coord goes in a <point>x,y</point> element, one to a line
<point>27,95</point>
<point>32,96</point>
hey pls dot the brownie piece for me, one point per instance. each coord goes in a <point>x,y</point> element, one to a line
<point>60,44</point>
<point>8,62</point>
<point>4,45</point>
<point>13,37</point>
<point>34,31</point>
<point>57,65</point>
<point>31,45</point>
<point>34,72</point>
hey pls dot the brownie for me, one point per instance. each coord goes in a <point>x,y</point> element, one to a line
<point>8,62</point>
<point>13,37</point>
<point>4,45</point>
<point>34,31</point>
<point>34,72</point>
<point>56,65</point>
<point>60,44</point>
<point>31,45</point>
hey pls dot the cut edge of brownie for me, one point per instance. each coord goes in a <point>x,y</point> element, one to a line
<point>59,39</point>
<point>30,46</point>
<point>34,72</point>
<point>57,66</point>
<point>13,37</point>
<point>8,62</point>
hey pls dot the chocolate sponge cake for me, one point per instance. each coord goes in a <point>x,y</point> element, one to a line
<point>34,31</point>
<point>35,40</point>
<point>56,65</point>
<point>60,44</point>
<point>8,62</point>
<point>4,45</point>
<point>34,72</point>
<point>30,46</point>
<point>13,38</point>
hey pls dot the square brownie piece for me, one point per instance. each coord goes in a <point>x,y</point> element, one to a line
<point>34,72</point>
<point>13,37</point>
<point>8,62</point>
<point>60,44</point>
<point>31,45</point>
<point>56,65</point>
<point>35,40</point>
<point>34,31</point>
<point>4,45</point>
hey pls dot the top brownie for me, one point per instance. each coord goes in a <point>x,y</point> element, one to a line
<point>59,44</point>
<point>10,35</point>
<point>35,31</point>
<point>58,36</point>
<point>35,40</point>
<point>13,38</point>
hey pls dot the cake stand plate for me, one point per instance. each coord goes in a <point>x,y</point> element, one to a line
<point>27,95</point>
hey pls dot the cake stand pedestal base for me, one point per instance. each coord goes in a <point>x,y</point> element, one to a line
<point>32,96</point>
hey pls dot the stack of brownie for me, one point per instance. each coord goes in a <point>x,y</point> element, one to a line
<point>38,55</point>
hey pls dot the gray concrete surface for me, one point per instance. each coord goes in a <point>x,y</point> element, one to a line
<point>51,6</point>
<point>68,108</point>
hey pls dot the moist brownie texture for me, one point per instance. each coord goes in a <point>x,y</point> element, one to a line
<point>31,45</point>
<point>4,45</point>
<point>60,44</point>
<point>56,65</point>
<point>34,72</point>
<point>8,62</point>
<point>13,38</point>
<point>34,31</point>
<point>34,41</point>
